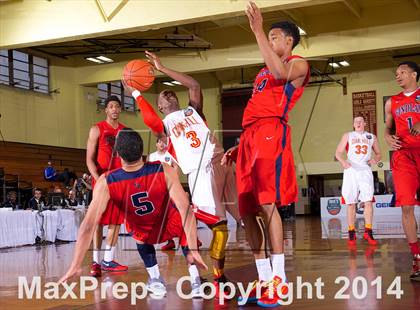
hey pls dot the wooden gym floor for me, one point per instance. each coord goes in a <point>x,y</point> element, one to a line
<point>307,255</point>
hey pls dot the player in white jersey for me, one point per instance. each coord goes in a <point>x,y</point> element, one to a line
<point>199,155</point>
<point>358,178</point>
<point>162,153</point>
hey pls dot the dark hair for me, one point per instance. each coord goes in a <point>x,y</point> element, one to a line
<point>36,189</point>
<point>112,98</point>
<point>129,145</point>
<point>290,29</point>
<point>412,65</point>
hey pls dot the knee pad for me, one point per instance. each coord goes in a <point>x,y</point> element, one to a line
<point>218,243</point>
<point>148,254</point>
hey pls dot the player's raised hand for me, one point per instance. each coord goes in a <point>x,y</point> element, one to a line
<point>230,156</point>
<point>255,17</point>
<point>154,60</point>
<point>393,142</point>
<point>128,89</point>
<point>415,130</point>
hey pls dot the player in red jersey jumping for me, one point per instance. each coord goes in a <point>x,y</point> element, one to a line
<point>403,113</point>
<point>265,172</point>
<point>142,192</point>
<point>100,157</point>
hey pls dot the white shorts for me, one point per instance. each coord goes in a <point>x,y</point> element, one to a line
<point>357,185</point>
<point>213,187</point>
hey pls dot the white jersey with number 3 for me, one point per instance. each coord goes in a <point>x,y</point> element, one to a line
<point>359,149</point>
<point>194,144</point>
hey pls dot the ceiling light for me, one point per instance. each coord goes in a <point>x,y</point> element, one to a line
<point>168,83</point>
<point>176,82</point>
<point>334,65</point>
<point>105,59</point>
<point>302,32</point>
<point>93,59</point>
<point>344,63</point>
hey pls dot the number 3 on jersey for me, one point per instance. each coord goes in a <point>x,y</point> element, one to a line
<point>194,139</point>
<point>143,206</point>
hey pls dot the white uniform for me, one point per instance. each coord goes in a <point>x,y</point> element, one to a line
<point>163,158</point>
<point>198,154</point>
<point>358,179</point>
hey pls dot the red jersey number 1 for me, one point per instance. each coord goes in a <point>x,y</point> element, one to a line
<point>410,122</point>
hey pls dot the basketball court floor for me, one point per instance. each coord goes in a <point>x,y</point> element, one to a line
<point>310,257</point>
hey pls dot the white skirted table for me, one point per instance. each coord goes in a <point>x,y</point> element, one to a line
<point>22,227</point>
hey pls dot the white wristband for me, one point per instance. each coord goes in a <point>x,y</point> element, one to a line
<point>136,94</point>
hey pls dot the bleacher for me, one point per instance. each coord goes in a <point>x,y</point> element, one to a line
<point>23,163</point>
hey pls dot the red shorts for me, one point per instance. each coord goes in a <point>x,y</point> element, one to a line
<point>265,170</point>
<point>112,214</point>
<point>171,227</point>
<point>406,176</point>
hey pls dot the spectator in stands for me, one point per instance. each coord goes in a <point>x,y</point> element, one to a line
<point>82,187</point>
<point>36,202</point>
<point>50,174</point>
<point>71,201</point>
<point>11,201</point>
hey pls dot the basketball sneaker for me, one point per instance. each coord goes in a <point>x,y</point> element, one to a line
<point>169,246</point>
<point>216,282</point>
<point>156,287</point>
<point>253,297</point>
<point>95,270</point>
<point>368,236</point>
<point>270,298</point>
<point>415,273</point>
<point>352,238</point>
<point>112,266</point>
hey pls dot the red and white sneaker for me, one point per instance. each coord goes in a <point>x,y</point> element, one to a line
<point>415,273</point>
<point>368,236</point>
<point>112,266</point>
<point>169,246</point>
<point>253,294</point>
<point>352,238</point>
<point>270,298</point>
<point>95,270</point>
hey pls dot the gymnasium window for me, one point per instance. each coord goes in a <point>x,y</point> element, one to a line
<point>22,70</point>
<point>115,88</point>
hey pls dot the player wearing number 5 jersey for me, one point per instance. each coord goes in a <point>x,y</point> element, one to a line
<point>141,191</point>
<point>358,178</point>
<point>403,112</point>
<point>198,154</point>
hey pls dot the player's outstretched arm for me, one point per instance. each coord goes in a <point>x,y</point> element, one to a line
<point>194,88</point>
<point>180,199</point>
<point>91,147</point>
<point>150,117</point>
<point>86,230</point>
<point>392,140</point>
<point>295,70</point>
<point>341,148</point>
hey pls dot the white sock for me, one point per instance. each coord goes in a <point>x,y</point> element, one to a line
<point>192,269</point>
<point>277,261</point>
<point>263,269</point>
<point>153,272</point>
<point>109,253</point>
<point>96,256</point>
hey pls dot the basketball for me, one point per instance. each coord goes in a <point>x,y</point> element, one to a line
<point>139,74</point>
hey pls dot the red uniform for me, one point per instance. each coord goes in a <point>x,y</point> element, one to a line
<point>107,160</point>
<point>143,199</point>
<point>406,161</point>
<point>265,167</point>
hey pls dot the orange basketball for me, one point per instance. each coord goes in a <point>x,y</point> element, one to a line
<point>139,74</point>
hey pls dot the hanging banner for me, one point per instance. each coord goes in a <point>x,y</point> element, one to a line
<point>364,104</point>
